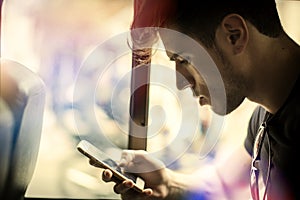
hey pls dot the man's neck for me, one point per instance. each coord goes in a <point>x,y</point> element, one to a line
<point>275,79</point>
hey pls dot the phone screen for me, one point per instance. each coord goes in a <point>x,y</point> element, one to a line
<point>104,161</point>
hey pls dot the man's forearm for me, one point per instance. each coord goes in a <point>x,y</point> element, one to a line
<point>178,185</point>
<point>202,184</point>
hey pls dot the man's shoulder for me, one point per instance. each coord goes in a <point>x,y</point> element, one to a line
<point>256,119</point>
<point>258,115</point>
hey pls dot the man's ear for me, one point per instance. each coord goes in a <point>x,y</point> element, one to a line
<point>236,31</point>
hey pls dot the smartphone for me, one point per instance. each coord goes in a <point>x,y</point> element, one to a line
<point>105,162</point>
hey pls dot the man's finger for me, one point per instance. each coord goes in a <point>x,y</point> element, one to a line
<point>107,175</point>
<point>148,192</point>
<point>123,187</point>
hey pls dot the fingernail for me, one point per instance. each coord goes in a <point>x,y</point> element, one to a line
<point>106,173</point>
<point>129,184</point>
<point>148,192</point>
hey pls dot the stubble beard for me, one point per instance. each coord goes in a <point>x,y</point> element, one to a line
<point>234,83</point>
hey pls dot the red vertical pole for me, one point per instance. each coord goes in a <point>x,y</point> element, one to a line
<point>139,100</point>
<point>1,2</point>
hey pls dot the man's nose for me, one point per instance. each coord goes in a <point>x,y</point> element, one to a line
<point>182,82</point>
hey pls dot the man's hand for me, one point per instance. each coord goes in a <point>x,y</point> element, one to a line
<point>151,170</point>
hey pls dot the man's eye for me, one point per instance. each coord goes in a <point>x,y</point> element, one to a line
<point>183,60</point>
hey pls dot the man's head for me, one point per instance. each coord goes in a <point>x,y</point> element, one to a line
<point>224,28</point>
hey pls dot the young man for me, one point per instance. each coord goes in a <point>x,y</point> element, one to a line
<point>257,60</point>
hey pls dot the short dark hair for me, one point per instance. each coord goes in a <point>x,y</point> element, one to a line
<point>205,18</point>
<point>201,21</point>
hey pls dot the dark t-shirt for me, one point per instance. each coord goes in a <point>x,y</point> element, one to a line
<point>283,129</point>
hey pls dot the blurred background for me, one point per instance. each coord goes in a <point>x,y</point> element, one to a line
<point>55,38</point>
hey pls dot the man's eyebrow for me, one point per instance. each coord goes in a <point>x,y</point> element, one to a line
<point>179,55</point>
<point>173,55</point>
